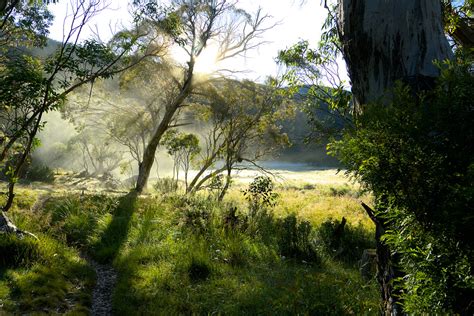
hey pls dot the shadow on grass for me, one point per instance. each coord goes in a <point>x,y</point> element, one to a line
<point>294,289</point>
<point>114,236</point>
<point>286,289</point>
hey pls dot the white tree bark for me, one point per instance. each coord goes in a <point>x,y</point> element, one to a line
<point>388,40</point>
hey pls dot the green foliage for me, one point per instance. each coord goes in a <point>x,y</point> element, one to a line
<point>295,239</point>
<point>183,148</point>
<point>328,107</point>
<point>457,14</point>
<point>166,19</point>
<point>177,142</point>
<point>166,185</point>
<point>197,215</point>
<point>416,155</point>
<point>15,252</point>
<point>25,25</point>
<point>39,172</point>
<point>245,120</point>
<point>32,86</point>
<point>260,193</point>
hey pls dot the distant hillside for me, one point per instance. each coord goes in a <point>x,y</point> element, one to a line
<point>51,46</point>
<point>309,129</point>
<point>298,130</point>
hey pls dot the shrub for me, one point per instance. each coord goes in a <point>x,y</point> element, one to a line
<point>260,194</point>
<point>39,172</point>
<point>417,157</point>
<point>197,219</point>
<point>166,185</point>
<point>15,251</point>
<point>196,214</point>
<point>344,241</point>
<point>295,239</point>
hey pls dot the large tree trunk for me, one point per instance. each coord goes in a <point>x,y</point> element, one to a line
<point>388,40</point>
<point>145,166</point>
<point>384,41</point>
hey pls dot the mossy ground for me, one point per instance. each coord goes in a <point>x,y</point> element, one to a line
<point>176,254</point>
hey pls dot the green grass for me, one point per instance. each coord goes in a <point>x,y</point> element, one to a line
<point>43,276</point>
<point>178,255</point>
<point>317,202</point>
<point>197,265</point>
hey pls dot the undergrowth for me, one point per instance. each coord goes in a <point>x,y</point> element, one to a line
<point>188,255</point>
<point>42,277</point>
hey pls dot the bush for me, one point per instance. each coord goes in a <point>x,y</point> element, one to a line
<point>260,194</point>
<point>417,157</point>
<point>39,172</point>
<point>16,252</point>
<point>197,219</point>
<point>166,185</point>
<point>344,241</point>
<point>295,239</point>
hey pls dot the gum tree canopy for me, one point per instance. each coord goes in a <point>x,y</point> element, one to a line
<point>384,41</point>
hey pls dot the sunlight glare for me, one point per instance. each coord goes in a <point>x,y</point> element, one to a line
<point>207,62</point>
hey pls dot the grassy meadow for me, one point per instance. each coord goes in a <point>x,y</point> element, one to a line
<point>177,254</point>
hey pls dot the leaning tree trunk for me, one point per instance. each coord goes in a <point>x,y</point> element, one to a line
<point>384,41</point>
<point>145,166</point>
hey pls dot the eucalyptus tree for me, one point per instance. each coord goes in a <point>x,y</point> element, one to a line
<point>193,25</point>
<point>399,109</point>
<point>412,38</point>
<point>31,86</point>
<point>183,147</point>
<point>243,121</point>
<point>98,155</point>
<point>126,109</point>
<point>404,49</point>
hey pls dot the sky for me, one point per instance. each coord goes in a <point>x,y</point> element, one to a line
<point>295,20</point>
